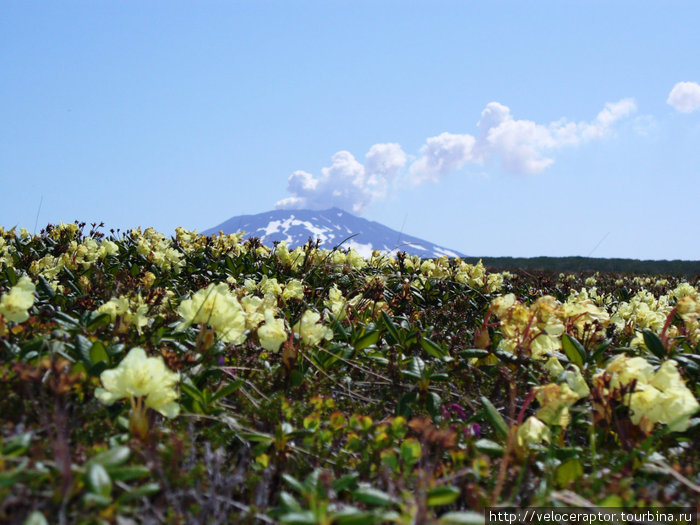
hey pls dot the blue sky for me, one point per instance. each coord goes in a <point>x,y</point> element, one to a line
<point>493,128</point>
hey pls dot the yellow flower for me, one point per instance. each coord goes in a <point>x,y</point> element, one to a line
<point>624,370</point>
<point>272,334</point>
<point>555,401</point>
<point>554,367</point>
<point>336,303</point>
<point>576,382</point>
<point>15,304</point>
<point>139,377</point>
<point>532,432</point>
<point>311,331</point>
<point>270,286</point>
<point>501,304</point>
<point>116,306</point>
<point>108,248</point>
<point>658,397</point>
<point>217,307</point>
<point>294,289</point>
<point>356,260</point>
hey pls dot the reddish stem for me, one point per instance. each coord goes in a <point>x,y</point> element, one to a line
<point>528,399</point>
<point>669,319</point>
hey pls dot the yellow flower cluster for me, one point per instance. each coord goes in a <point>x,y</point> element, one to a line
<point>78,256</point>
<point>217,307</point>
<point>533,432</point>
<point>132,310</point>
<point>140,378</point>
<point>659,396</point>
<point>68,231</point>
<point>311,330</point>
<point>272,333</point>
<point>6,250</point>
<point>644,310</point>
<point>233,319</point>
<point>15,304</point>
<point>556,398</point>
<point>336,303</point>
<point>442,268</point>
<point>539,326</point>
<point>157,249</point>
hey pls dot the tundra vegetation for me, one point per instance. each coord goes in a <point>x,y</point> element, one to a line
<point>202,379</point>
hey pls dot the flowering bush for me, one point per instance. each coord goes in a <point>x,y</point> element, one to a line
<point>315,386</point>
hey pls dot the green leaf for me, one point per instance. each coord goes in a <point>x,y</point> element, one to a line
<point>372,496</point>
<point>564,453</point>
<point>602,347</point>
<point>473,352</point>
<point>345,482</point>
<point>17,446</point>
<point>391,327</point>
<point>390,459</point>
<point>465,517</point>
<point>10,477</point>
<point>96,500</point>
<point>95,370</point>
<point>228,389</point>
<point>296,377</point>
<point>36,518</point>
<point>354,516</point>
<point>654,344</point>
<point>404,406</point>
<point>128,473</point>
<point>339,330</point>
<point>98,353</point>
<point>612,501</point>
<point>258,437</point>
<point>499,424</point>
<point>113,457</point>
<point>99,320</point>
<point>192,391</point>
<point>147,489</point>
<point>294,483</point>
<point>442,496</point>
<point>433,403</point>
<point>289,502</point>
<point>432,348</point>
<point>489,447</point>
<point>416,368</point>
<point>98,481</point>
<point>83,346</point>
<point>569,472</point>
<point>33,346</point>
<point>45,287</point>
<point>370,338</point>
<point>11,275</point>
<point>573,350</point>
<point>299,518</point>
<point>411,451</point>
<point>506,356</point>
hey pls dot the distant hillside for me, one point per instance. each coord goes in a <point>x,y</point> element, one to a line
<point>580,264</point>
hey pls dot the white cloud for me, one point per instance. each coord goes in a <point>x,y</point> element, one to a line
<point>685,97</point>
<point>612,112</point>
<point>346,183</point>
<point>442,154</point>
<point>516,142</point>
<point>521,146</point>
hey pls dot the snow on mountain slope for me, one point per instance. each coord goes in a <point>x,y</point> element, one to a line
<point>331,227</point>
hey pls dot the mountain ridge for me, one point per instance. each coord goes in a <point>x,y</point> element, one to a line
<point>331,227</point>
